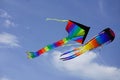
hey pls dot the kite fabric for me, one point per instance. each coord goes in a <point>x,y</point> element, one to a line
<point>104,37</point>
<point>76,32</point>
<point>76,49</point>
<point>47,48</point>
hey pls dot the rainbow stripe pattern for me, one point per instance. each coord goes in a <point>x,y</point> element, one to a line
<point>77,32</point>
<point>47,48</point>
<point>105,36</point>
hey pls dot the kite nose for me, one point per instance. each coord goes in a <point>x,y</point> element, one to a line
<point>112,33</point>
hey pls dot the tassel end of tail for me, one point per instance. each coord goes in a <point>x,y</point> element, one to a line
<point>32,55</point>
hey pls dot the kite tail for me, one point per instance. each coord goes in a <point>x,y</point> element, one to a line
<point>47,48</point>
<point>76,49</point>
<point>54,19</point>
<point>54,45</point>
<point>67,52</point>
<point>71,57</point>
<point>32,54</point>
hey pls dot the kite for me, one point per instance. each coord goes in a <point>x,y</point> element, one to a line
<point>76,32</point>
<point>104,37</point>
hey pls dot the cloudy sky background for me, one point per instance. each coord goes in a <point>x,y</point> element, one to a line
<point>23,27</point>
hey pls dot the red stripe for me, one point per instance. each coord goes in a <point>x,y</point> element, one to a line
<point>41,51</point>
<point>69,26</point>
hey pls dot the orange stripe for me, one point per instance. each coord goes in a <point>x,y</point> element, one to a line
<point>94,43</point>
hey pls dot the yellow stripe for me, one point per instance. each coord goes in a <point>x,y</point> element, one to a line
<point>46,48</point>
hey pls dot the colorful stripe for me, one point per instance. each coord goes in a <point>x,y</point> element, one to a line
<point>47,48</point>
<point>77,32</point>
<point>76,49</point>
<point>78,39</point>
<point>103,37</point>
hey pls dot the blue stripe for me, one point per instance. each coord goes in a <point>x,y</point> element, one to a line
<point>73,30</point>
<point>102,38</point>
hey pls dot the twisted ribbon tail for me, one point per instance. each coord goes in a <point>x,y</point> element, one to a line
<point>67,52</point>
<point>76,49</point>
<point>67,58</point>
<point>71,57</point>
<point>32,55</point>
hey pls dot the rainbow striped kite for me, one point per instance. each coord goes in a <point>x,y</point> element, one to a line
<point>76,32</point>
<point>105,36</point>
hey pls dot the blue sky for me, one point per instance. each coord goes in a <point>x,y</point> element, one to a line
<point>23,27</point>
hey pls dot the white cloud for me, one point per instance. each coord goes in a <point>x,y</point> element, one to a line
<point>6,19</point>
<point>4,78</point>
<point>86,68</point>
<point>7,39</point>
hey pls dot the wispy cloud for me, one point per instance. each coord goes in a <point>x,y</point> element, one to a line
<point>86,68</point>
<point>4,14</point>
<point>8,23</point>
<point>4,78</point>
<point>8,40</point>
<point>7,19</point>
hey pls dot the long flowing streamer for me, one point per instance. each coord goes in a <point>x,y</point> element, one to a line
<point>105,36</point>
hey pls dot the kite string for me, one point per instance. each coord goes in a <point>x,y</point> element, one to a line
<point>58,20</point>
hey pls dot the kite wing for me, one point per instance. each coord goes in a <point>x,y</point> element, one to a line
<point>76,31</point>
<point>105,36</point>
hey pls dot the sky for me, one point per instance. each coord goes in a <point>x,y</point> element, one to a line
<point>23,27</point>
